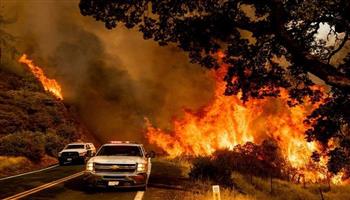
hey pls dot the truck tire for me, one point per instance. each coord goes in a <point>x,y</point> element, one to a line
<point>61,163</point>
<point>143,188</point>
<point>89,187</point>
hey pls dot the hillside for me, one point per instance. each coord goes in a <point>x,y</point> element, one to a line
<point>34,125</point>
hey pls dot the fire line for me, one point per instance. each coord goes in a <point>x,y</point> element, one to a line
<point>226,122</point>
<point>49,85</point>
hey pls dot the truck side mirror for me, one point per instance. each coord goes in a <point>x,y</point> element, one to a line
<point>91,154</point>
<point>151,154</point>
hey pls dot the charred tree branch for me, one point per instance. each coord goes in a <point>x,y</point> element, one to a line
<point>301,57</point>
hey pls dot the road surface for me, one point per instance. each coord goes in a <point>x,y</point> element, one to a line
<point>65,182</point>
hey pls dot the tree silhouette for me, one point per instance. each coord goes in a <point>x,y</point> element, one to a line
<point>266,44</point>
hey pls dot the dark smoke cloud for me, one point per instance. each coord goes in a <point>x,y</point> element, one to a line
<point>113,78</point>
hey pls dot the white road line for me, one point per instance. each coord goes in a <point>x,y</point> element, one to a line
<point>43,187</point>
<point>139,195</point>
<point>32,172</point>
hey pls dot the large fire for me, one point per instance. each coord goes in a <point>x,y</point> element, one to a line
<point>227,121</point>
<point>50,85</point>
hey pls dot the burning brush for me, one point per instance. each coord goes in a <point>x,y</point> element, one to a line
<point>49,85</point>
<point>227,122</point>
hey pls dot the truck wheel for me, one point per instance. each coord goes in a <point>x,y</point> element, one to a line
<point>143,188</point>
<point>89,187</point>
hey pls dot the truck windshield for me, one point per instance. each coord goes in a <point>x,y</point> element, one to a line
<point>119,151</point>
<point>75,146</point>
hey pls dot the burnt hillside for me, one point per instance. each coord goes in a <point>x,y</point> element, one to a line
<point>33,123</point>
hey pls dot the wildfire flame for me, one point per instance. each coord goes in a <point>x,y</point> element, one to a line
<point>50,85</point>
<point>227,122</point>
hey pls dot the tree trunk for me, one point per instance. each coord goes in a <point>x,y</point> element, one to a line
<point>271,188</point>
<point>322,198</point>
<point>328,181</point>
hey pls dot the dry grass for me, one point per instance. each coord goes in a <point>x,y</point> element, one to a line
<point>8,162</point>
<point>260,189</point>
<point>226,194</point>
<point>11,165</point>
<point>182,166</point>
<point>282,190</point>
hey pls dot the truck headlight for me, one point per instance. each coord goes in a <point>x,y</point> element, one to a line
<point>90,166</point>
<point>141,167</point>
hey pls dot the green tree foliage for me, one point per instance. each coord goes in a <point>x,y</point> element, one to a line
<point>277,30</point>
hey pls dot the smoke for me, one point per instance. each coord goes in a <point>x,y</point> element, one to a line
<point>113,78</point>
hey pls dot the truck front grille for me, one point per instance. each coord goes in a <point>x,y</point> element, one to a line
<point>110,168</point>
<point>70,154</point>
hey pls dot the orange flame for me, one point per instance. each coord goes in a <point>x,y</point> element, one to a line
<point>227,122</point>
<point>50,85</point>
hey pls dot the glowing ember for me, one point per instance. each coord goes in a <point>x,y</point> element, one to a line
<point>226,122</point>
<point>50,85</point>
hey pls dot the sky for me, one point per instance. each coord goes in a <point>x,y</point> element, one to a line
<point>114,78</point>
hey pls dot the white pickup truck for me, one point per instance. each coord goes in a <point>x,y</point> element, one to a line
<point>76,152</point>
<point>119,164</point>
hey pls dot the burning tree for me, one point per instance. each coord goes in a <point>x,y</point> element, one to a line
<point>272,48</point>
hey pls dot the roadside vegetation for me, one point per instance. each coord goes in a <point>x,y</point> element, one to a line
<point>257,172</point>
<point>250,182</point>
<point>11,165</point>
<point>260,190</point>
<point>263,160</point>
<point>7,163</point>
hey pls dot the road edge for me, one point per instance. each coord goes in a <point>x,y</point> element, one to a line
<point>31,172</point>
<point>43,187</point>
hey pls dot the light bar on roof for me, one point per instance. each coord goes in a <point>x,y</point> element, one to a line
<point>121,142</point>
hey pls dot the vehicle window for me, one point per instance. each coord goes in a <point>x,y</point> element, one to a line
<point>119,151</point>
<point>75,146</point>
<point>88,146</point>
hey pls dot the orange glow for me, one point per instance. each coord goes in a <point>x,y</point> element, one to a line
<point>50,85</point>
<point>226,121</point>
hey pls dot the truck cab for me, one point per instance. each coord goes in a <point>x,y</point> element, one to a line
<point>119,164</point>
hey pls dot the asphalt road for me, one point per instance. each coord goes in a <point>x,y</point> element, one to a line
<point>54,184</point>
